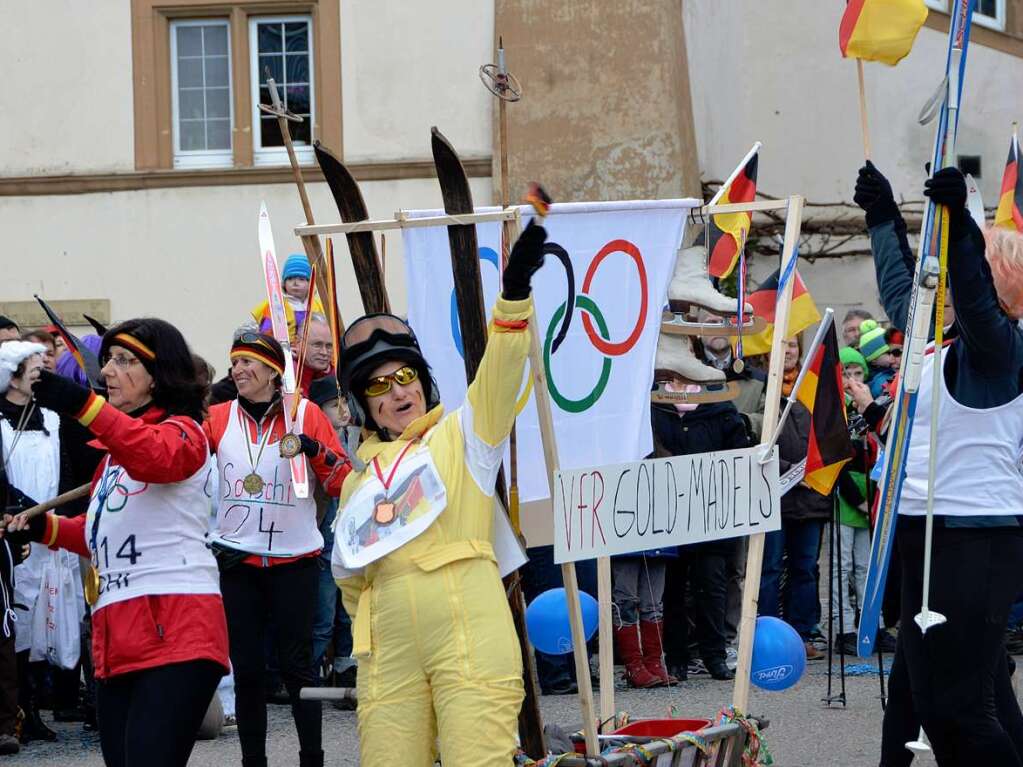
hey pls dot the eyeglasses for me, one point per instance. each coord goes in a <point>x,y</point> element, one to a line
<point>321,346</point>
<point>120,361</point>
<point>380,385</point>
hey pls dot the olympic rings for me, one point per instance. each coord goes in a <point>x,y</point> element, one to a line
<point>602,341</point>
<point>113,489</point>
<point>576,405</point>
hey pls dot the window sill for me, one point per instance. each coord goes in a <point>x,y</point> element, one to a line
<point>981,34</point>
<point>29,186</point>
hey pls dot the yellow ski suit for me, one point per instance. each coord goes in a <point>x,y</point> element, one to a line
<point>437,650</point>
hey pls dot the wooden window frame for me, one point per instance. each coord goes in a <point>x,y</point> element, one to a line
<point>151,71</point>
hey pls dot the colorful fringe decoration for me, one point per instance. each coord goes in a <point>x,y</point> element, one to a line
<point>756,753</point>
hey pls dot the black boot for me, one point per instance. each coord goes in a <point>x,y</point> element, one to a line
<point>33,728</point>
<point>718,669</point>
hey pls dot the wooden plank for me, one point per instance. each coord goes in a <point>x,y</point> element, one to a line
<point>28,314</point>
<point>740,207</point>
<point>772,406</point>
<point>401,222</point>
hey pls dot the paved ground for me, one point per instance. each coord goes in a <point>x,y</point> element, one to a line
<point>802,732</point>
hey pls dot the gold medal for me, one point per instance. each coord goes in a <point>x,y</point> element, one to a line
<point>91,584</point>
<point>290,446</point>
<point>253,484</point>
<point>738,365</point>
<point>383,514</point>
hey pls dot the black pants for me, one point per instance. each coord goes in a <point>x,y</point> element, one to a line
<point>955,678</point>
<point>8,685</point>
<point>704,567</point>
<point>150,718</point>
<point>282,597</point>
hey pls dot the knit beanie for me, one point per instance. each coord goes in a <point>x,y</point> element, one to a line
<point>872,344</point>
<point>850,356</point>
<point>259,347</point>
<point>323,390</point>
<point>297,265</point>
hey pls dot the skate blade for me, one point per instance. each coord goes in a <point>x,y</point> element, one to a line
<point>918,747</point>
<point>675,325</point>
<point>722,392</point>
<point>931,620</point>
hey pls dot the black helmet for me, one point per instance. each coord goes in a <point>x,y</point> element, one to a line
<point>370,341</point>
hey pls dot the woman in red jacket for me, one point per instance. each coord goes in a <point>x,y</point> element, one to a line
<point>267,541</point>
<point>159,634</point>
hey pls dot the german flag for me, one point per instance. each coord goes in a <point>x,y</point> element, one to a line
<point>880,30</point>
<point>802,314</point>
<point>82,354</point>
<point>727,232</point>
<point>821,392</point>
<point>1009,215</point>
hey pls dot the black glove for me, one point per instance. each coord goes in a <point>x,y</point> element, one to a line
<point>310,447</point>
<point>874,195</point>
<point>32,534</point>
<point>948,187</point>
<point>526,257</point>
<point>59,394</point>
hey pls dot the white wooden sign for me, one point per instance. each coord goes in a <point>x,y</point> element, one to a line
<point>631,507</point>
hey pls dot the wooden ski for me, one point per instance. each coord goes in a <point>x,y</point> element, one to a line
<point>351,206</point>
<point>465,267</point>
<point>279,322</point>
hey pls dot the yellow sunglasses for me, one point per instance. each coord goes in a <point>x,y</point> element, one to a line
<point>380,385</point>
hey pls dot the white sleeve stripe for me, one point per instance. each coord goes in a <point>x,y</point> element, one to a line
<point>482,460</point>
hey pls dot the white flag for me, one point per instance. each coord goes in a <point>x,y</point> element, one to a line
<point>598,299</point>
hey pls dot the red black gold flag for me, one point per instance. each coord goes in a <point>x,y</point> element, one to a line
<point>727,232</point>
<point>82,354</point>
<point>1010,202</point>
<point>802,314</point>
<point>821,392</point>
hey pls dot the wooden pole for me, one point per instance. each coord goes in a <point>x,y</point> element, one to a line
<point>311,245</point>
<point>71,495</point>
<point>772,407</point>
<point>863,110</point>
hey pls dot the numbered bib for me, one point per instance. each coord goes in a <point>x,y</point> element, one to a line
<point>377,520</point>
<point>150,538</point>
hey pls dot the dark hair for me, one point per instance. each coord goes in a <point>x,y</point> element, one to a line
<point>40,336</point>
<point>857,314</point>
<point>176,387</point>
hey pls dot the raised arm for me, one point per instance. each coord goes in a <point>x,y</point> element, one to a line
<point>489,410</point>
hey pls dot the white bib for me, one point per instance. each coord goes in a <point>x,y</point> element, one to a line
<point>151,538</point>
<point>34,468</point>
<point>979,454</point>
<point>271,522</point>
<point>376,520</point>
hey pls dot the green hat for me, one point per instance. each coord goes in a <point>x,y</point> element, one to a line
<point>850,356</point>
<point>872,344</point>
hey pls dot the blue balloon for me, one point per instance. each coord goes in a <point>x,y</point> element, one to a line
<point>779,655</point>
<point>547,621</point>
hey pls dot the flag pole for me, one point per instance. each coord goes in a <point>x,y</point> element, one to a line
<point>818,339</point>
<point>863,110</point>
<point>738,169</point>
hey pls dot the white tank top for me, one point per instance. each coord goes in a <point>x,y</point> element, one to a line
<point>151,538</point>
<point>271,522</point>
<point>979,454</point>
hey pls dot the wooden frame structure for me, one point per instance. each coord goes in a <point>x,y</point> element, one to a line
<point>792,206</point>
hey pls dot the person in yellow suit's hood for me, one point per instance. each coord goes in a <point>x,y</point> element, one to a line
<point>414,554</point>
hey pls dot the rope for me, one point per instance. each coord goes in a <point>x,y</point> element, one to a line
<point>756,753</point>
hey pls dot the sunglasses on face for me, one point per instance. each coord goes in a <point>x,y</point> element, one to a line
<point>380,385</point>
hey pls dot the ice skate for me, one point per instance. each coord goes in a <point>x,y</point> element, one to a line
<point>675,362</point>
<point>691,290</point>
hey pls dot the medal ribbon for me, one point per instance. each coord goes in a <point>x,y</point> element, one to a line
<point>394,468</point>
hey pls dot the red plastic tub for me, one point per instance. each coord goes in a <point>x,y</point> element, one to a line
<point>661,728</point>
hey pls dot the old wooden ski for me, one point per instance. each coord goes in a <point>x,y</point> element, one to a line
<point>472,321</point>
<point>362,246</point>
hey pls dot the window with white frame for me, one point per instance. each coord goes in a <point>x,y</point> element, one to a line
<point>201,93</point>
<point>282,46</point>
<point>990,13</point>
<point>986,13</point>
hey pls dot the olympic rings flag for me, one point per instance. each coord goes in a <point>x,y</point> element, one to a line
<point>598,304</point>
